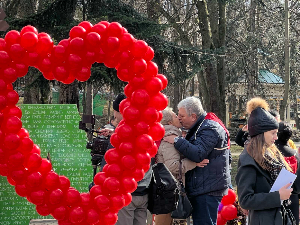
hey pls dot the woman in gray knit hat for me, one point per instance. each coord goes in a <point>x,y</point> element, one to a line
<point>258,167</point>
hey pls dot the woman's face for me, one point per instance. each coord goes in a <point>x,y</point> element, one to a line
<point>270,137</point>
<point>175,121</point>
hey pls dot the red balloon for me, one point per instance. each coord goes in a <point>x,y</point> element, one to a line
<point>92,216</point>
<point>26,145</point>
<point>44,45</point>
<point>65,43</point>
<point>157,131</point>
<point>151,71</point>
<point>221,220</point>
<point>2,44</point>
<point>64,183</point>
<point>3,86</point>
<point>128,161</point>
<point>35,179</point>
<point>95,191</point>
<point>3,169</point>
<point>129,184</point>
<point>16,159</point>
<point>159,101</point>
<point>140,98</point>
<point>99,29</point>
<point>59,213</point>
<point>10,75</point>
<point>37,197</point>
<point>3,102</point>
<point>102,202</point>
<point>13,111</point>
<point>139,49</point>
<point>77,45</point>
<point>58,53</point>
<point>112,45</point>
<point>115,29</point>
<point>77,31</point>
<point>45,65</point>
<point>153,86</point>
<point>29,40</point>
<point>144,142</point>
<point>127,198</point>
<point>86,25</point>
<point>143,159</point>
<point>163,79</point>
<point>84,74</point>
<point>12,37</point>
<point>34,161</point>
<point>141,128</point>
<point>115,140</point>
<point>76,215</point>
<point>138,174</point>
<point>111,184</point>
<point>125,132</point>
<point>112,156</point>
<point>60,73</point>
<point>51,181</point>
<point>150,115</point>
<point>99,178</point>
<point>113,170</point>
<point>131,114</point>
<point>127,41</point>
<point>149,54</point>
<point>21,69</point>
<point>16,52</point>
<point>124,103</point>
<point>117,202</point>
<point>128,90</point>
<point>124,73</point>
<point>21,190</point>
<point>56,196</point>
<point>139,66</point>
<point>229,198</point>
<point>43,209</point>
<point>126,147</point>
<point>23,133</point>
<point>72,196</point>
<point>36,149</point>
<point>29,28</point>
<point>19,176</point>
<point>152,151</point>
<point>229,212</point>
<point>13,125</point>
<point>4,59</point>
<point>86,200</point>
<point>124,57</point>
<point>11,142</point>
<point>31,58</point>
<point>137,82</point>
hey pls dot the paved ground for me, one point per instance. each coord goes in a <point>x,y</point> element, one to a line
<point>43,222</point>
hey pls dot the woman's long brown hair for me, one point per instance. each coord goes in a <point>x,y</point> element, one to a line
<point>257,148</point>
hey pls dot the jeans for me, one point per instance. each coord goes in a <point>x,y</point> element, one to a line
<point>205,209</point>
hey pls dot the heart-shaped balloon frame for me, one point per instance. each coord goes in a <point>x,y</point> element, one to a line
<point>133,140</point>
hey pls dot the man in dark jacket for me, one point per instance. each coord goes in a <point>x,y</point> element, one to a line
<point>207,138</point>
<point>136,212</point>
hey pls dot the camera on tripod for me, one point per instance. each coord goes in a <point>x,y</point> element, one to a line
<point>98,144</point>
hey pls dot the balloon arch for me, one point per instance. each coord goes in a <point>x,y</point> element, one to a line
<point>133,140</point>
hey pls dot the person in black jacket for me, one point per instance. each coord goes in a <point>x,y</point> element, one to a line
<point>258,167</point>
<point>284,134</point>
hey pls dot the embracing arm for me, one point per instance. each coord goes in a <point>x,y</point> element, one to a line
<point>246,181</point>
<point>205,142</point>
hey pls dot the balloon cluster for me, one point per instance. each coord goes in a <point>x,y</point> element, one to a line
<point>133,140</point>
<point>227,210</point>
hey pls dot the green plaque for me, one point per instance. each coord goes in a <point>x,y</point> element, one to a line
<point>54,128</point>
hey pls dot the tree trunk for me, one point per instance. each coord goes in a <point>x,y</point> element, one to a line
<point>68,94</point>
<point>283,106</point>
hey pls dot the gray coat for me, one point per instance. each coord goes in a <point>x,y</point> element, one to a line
<point>253,186</point>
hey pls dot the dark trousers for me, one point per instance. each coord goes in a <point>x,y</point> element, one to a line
<point>205,209</point>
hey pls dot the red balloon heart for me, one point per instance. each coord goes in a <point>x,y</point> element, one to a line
<point>72,58</point>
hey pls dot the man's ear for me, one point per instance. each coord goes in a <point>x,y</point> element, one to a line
<point>194,116</point>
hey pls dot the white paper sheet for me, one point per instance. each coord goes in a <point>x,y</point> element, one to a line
<point>283,178</point>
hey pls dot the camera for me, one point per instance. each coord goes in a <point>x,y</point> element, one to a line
<point>98,145</point>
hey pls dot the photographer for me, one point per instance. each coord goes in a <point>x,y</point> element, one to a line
<point>136,212</point>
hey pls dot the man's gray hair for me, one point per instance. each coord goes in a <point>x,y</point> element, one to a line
<point>167,116</point>
<point>191,105</point>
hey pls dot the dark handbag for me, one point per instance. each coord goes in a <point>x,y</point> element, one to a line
<point>163,190</point>
<point>287,215</point>
<point>184,207</point>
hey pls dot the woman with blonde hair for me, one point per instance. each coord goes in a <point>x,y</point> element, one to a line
<point>259,166</point>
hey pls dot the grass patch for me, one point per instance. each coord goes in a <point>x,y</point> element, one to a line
<point>236,149</point>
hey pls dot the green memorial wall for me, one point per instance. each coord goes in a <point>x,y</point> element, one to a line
<point>54,128</point>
